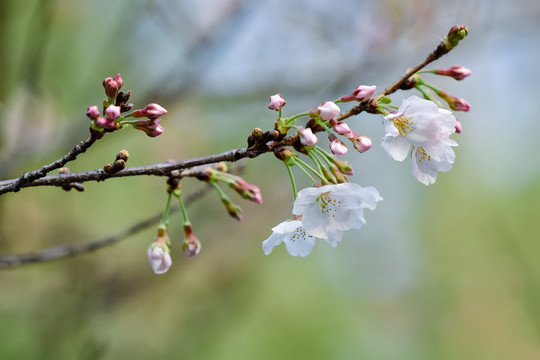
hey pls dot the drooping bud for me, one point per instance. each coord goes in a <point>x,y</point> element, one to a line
<point>458,72</point>
<point>276,102</point>
<point>342,129</point>
<point>192,245</point>
<point>159,252</point>
<point>337,146</point>
<point>307,137</point>
<point>455,103</point>
<point>246,190</point>
<point>233,210</point>
<point>152,111</point>
<point>362,143</point>
<point>150,127</point>
<point>329,176</point>
<point>92,112</point>
<point>344,166</point>
<point>328,110</point>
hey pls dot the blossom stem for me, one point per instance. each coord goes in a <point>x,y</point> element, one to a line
<point>323,154</point>
<point>183,209</point>
<point>165,218</point>
<point>303,163</point>
<point>325,127</point>
<point>315,160</point>
<point>220,192</point>
<point>293,183</point>
<point>424,93</point>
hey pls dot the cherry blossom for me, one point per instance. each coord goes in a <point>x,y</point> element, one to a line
<point>331,209</point>
<point>159,257</point>
<point>427,128</point>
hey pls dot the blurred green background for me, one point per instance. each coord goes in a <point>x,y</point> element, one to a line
<point>448,271</point>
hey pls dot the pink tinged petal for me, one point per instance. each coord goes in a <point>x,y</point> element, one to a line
<point>362,143</point>
<point>337,146</point>
<point>276,102</point>
<point>306,136</point>
<point>328,110</point>
<point>112,112</point>
<point>92,112</point>
<point>342,128</point>
<point>364,92</point>
<point>396,147</point>
<point>159,258</point>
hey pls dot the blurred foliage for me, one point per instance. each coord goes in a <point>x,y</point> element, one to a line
<point>474,291</point>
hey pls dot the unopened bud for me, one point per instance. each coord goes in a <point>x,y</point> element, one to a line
<point>344,166</point>
<point>364,92</point>
<point>458,126</point>
<point>233,210</point>
<point>192,245</point>
<point>328,110</point>
<point>458,72</point>
<point>123,154</point>
<point>329,176</point>
<point>276,102</point>
<point>159,252</point>
<point>455,35</point>
<point>92,112</point>
<point>246,190</point>
<point>113,112</point>
<point>362,143</point>
<point>307,137</point>
<point>343,129</point>
<point>455,103</point>
<point>337,146</point>
<point>150,127</point>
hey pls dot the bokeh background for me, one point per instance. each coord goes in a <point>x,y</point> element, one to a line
<point>448,271</point>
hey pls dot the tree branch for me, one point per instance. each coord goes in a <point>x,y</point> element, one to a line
<point>27,178</point>
<point>64,251</point>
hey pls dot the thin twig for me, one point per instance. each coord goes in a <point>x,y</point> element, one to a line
<point>27,178</point>
<point>64,251</point>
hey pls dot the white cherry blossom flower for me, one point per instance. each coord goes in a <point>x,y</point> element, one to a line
<point>426,162</point>
<point>418,122</point>
<point>422,125</point>
<point>297,241</point>
<point>332,209</point>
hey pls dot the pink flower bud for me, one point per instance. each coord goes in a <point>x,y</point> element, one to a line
<point>113,112</point>
<point>111,87</point>
<point>192,245</point>
<point>246,190</point>
<point>458,126</point>
<point>362,143</point>
<point>337,146</point>
<point>151,111</point>
<point>364,92</point>
<point>276,102</point>
<point>455,103</point>
<point>458,72</point>
<point>119,81</point>
<point>92,112</point>
<point>307,137</point>
<point>150,127</point>
<point>102,122</point>
<point>328,110</point>
<point>342,129</point>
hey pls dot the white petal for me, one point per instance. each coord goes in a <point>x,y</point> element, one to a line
<point>273,240</point>
<point>299,243</point>
<point>396,147</point>
<point>334,237</point>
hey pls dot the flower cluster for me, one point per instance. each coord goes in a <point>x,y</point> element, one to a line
<point>115,108</point>
<point>421,125</point>
<point>325,213</point>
